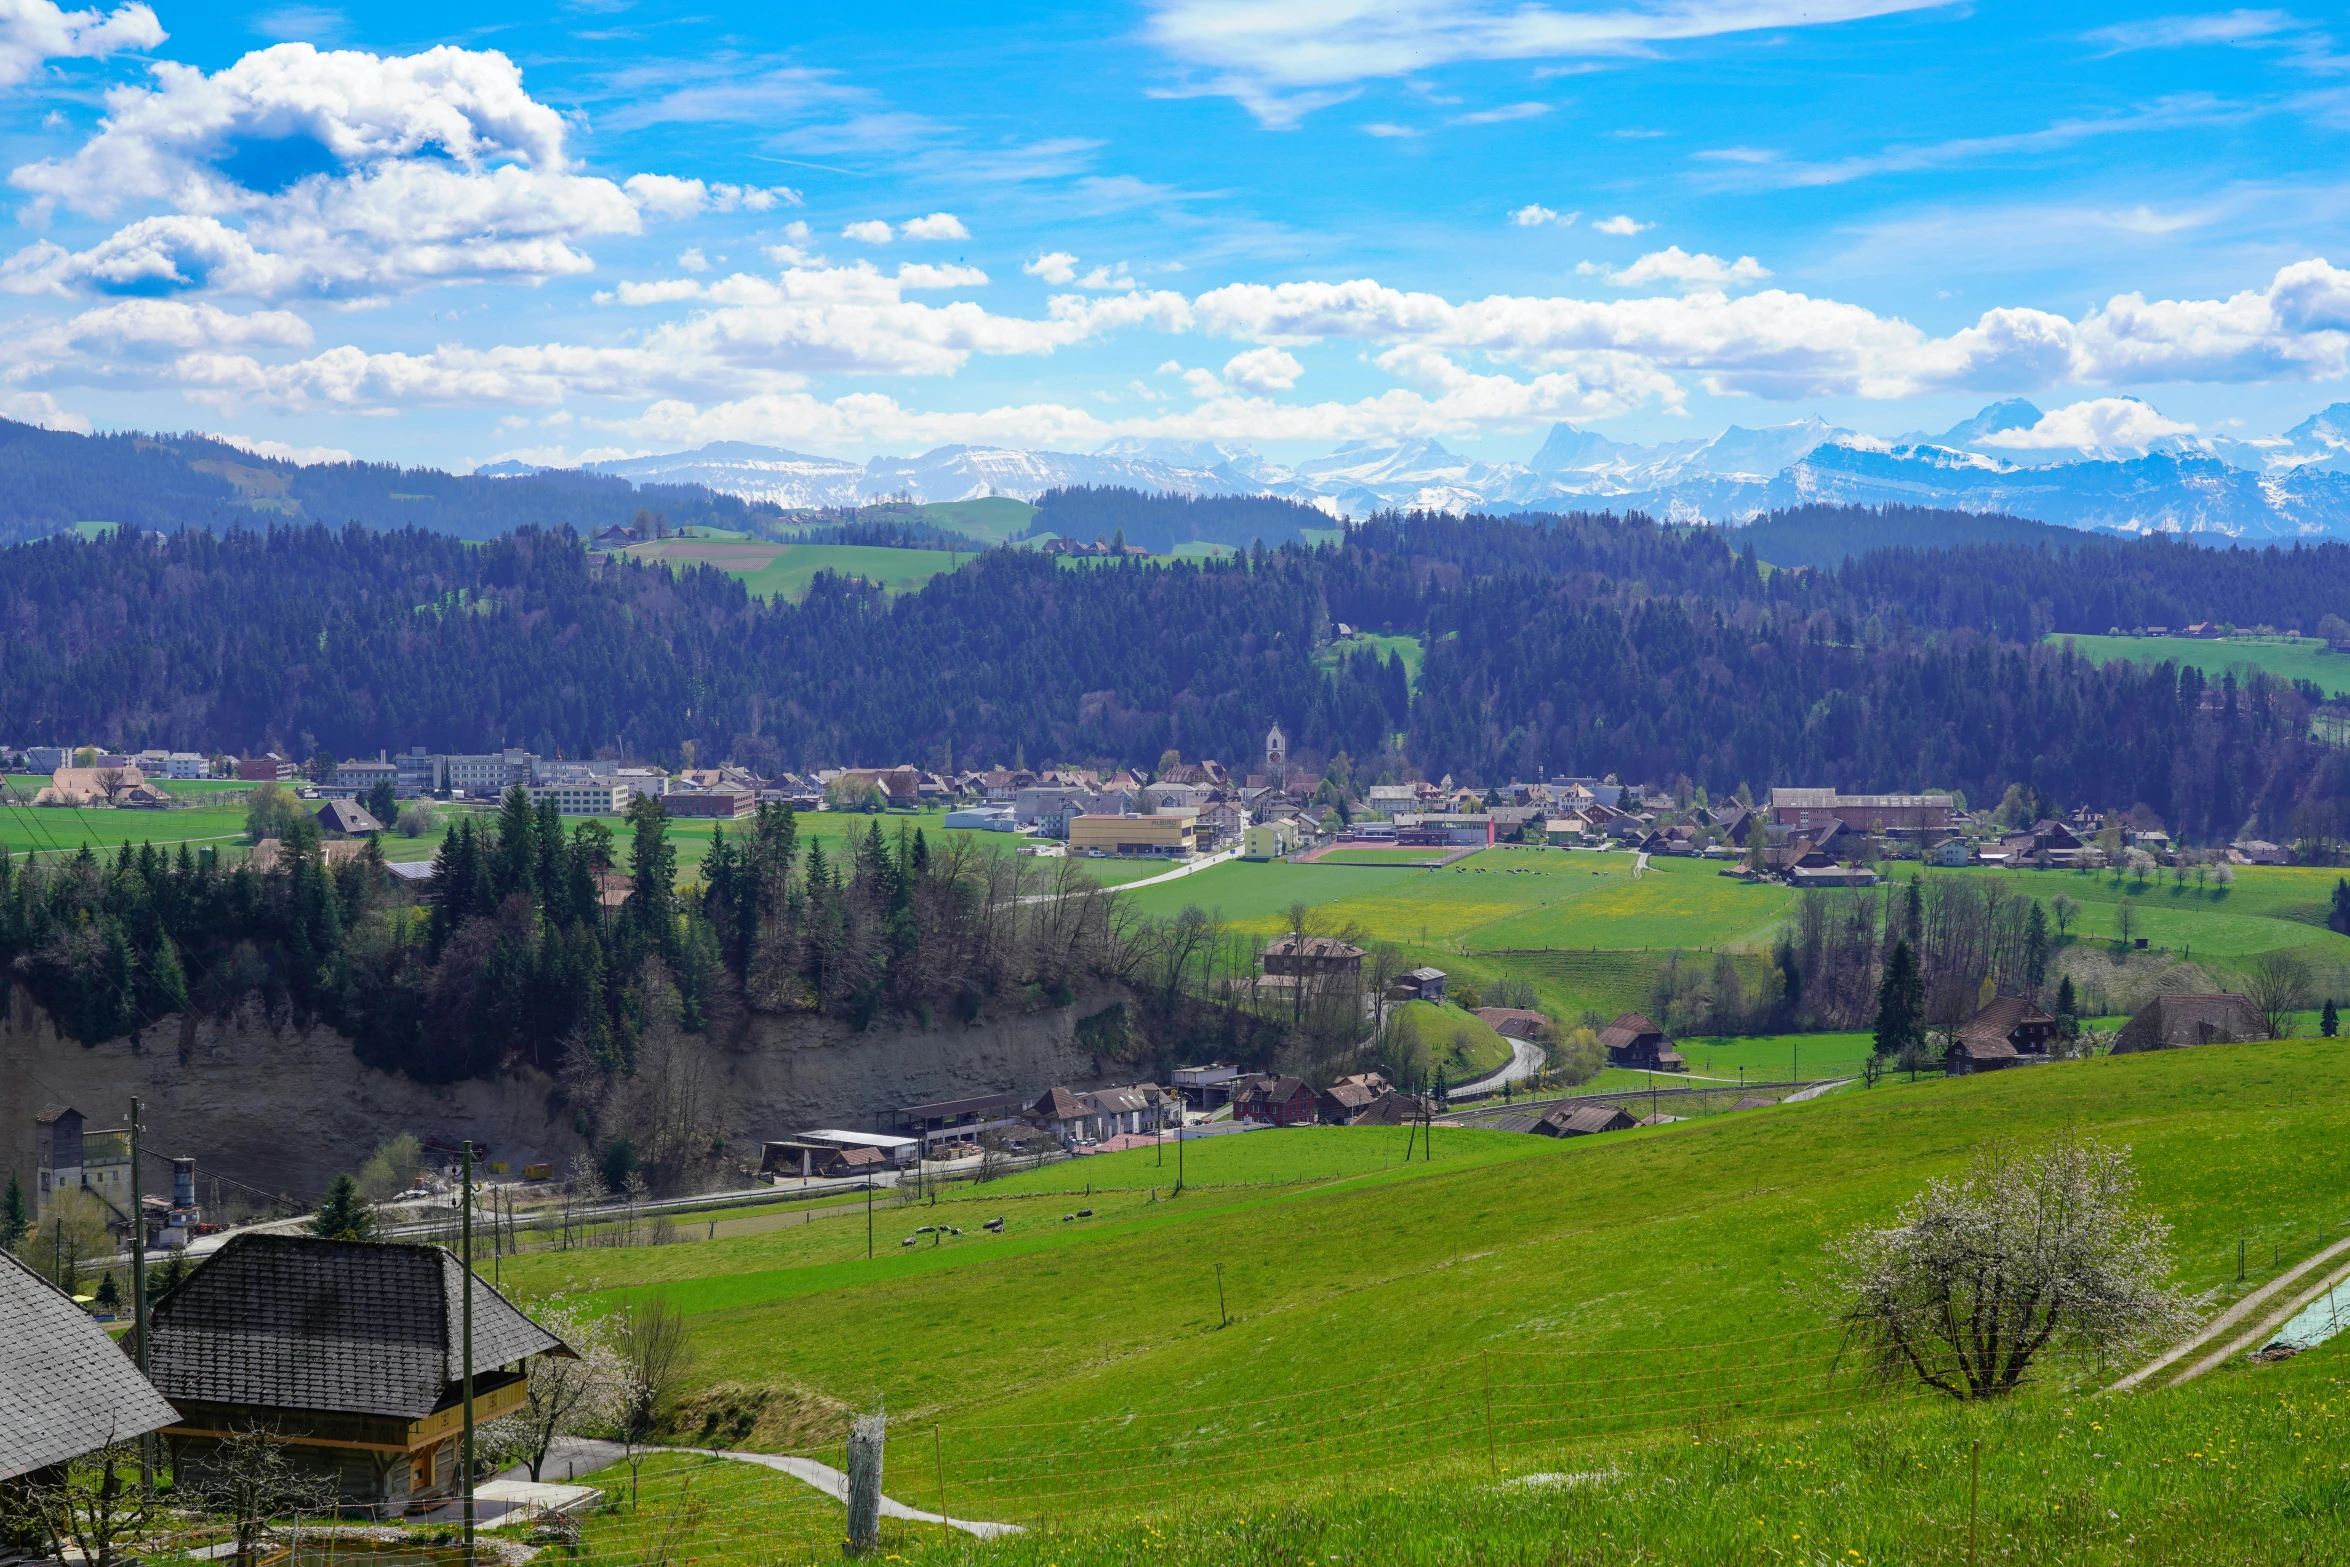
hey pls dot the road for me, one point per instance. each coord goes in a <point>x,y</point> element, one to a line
<point>570,1457</point>
<point>1525,1061</point>
<point>1189,868</point>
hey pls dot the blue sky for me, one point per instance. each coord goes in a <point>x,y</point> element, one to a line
<point>446,233</point>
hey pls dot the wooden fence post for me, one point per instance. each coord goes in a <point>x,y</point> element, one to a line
<point>865,1444</point>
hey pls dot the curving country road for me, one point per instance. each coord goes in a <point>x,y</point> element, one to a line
<point>1525,1061</point>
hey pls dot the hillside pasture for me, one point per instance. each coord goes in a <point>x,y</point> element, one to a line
<point>2287,658</point>
<point>1614,1289</point>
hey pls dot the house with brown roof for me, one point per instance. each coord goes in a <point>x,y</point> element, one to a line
<point>347,1354</point>
<point>348,819</point>
<point>1346,1099</point>
<point>1633,1041</point>
<point>1516,1023</point>
<point>1062,1114</point>
<point>1280,1101</point>
<point>1395,1110</point>
<point>1585,1121</point>
<point>2174,1022</point>
<point>2009,1030</point>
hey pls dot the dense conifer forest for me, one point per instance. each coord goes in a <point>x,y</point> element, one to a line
<point>1585,644</point>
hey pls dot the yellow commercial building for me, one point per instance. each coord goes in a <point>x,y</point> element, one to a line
<point>1168,837</point>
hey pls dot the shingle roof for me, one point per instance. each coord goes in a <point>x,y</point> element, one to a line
<point>1516,1022</point>
<point>1629,1030</point>
<point>1057,1104</point>
<point>299,1322</point>
<point>2168,1022</point>
<point>65,1387</point>
<point>1390,1110</point>
<point>2003,1017</point>
<point>1586,1120</point>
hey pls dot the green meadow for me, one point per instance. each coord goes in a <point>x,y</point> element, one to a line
<point>1319,1331</point>
<point>795,566</point>
<point>2288,658</point>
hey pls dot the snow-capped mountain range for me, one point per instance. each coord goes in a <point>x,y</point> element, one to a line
<point>2119,467</point>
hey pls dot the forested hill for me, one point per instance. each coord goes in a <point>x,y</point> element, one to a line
<point>1582,644</point>
<point>51,480</point>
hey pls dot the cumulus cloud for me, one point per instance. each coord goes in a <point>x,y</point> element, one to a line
<point>350,174</point>
<point>1620,224</point>
<point>667,196</point>
<point>939,225</point>
<point>747,333</point>
<point>1676,266</point>
<point>1263,370</point>
<point>1284,62</point>
<point>1533,216</point>
<point>870,232</point>
<point>917,274</point>
<point>33,31</point>
<point>42,409</point>
<point>279,451</point>
<point>2101,423</point>
<point>1055,268</point>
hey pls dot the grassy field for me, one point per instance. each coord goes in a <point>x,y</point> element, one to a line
<point>1460,1044</point>
<point>1414,652</point>
<point>1634,1303</point>
<point>996,518</point>
<point>1423,857</point>
<point>794,567</point>
<point>2288,658</point>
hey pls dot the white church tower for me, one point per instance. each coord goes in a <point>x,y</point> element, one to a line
<point>1276,752</point>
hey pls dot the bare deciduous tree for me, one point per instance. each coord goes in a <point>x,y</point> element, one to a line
<point>94,1508</point>
<point>2026,1255</point>
<point>652,1345</point>
<point>2277,985</point>
<point>249,1478</point>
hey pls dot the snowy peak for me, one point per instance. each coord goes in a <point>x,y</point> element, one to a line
<point>2014,414</point>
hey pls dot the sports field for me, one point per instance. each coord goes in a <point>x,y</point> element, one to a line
<point>1536,1305</point>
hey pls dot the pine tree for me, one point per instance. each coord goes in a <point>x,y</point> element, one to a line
<point>2036,946</point>
<point>2338,917</point>
<point>16,1215</point>
<point>652,902</point>
<point>1901,1004</point>
<point>344,1215</point>
<point>2329,1022</point>
<point>515,864</point>
<point>2067,1008</point>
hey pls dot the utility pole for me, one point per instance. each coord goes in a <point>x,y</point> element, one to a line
<point>868,1218</point>
<point>466,1480</point>
<point>139,1288</point>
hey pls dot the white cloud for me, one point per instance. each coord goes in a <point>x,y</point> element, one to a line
<point>350,173</point>
<point>2107,423</point>
<point>794,251</point>
<point>939,225</point>
<point>1262,370</point>
<point>1108,279</point>
<point>1534,216</point>
<point>41,409</point>
<point>667,196</point>
<point>1784,345</point>
<point>1284,62</point>
<point>299,456</point>
<point>870,232</point>
<point>1759,168</point>
<point>1502,114</point>
<point>1388,130</point>
<point>1620,224</point>
<point>754,334</point>
<point>693,260</point>
<point>918,274</point>
<point>2184,32</point>
<point>1055,268</point>
<point>1675,265</point>
<point>32,31</point>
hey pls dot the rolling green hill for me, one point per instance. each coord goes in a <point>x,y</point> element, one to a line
<point>1313,1322</point>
